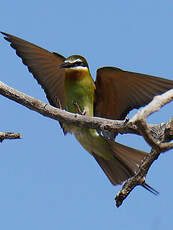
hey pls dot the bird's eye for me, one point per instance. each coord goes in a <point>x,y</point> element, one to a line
<point>78,63</point>
<point>83,64</point>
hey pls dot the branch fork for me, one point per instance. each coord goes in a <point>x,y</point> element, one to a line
<point>157,136</point>
<point>157,146</point>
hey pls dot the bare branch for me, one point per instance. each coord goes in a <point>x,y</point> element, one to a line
<point>138,179</point>
<point>153,106</point>
<point>76,119</point>
<point>157,136</point>
<point>140,120</point>
<point>58,114</point>
<point>9,135</point>
<point>157,145</point>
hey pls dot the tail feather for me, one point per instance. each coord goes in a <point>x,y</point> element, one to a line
<point>123,165</point>
<point>130,157</point>
<point>114,169</point>
<point>150,189</point>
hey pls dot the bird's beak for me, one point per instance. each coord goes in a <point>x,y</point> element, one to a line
<point>65,65</point>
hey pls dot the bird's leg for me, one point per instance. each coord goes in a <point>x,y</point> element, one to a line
<point>84,112</point>
<point>59,103</point>
<point>78,109</point>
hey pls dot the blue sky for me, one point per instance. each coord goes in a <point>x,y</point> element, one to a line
<point>47,180</point>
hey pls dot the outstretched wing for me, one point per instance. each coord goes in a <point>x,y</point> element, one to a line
<point>44,67</point>
<point>118,92</point>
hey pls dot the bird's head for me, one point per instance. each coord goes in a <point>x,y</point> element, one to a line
<point>75,63</point>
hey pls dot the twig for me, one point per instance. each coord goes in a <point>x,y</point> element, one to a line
<point>157,145</point>
<point>9,135</point>
<point>156,136</point>
<point>76,119</point>
<point>140,120</point>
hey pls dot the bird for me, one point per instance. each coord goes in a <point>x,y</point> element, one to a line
<point>68,85</point>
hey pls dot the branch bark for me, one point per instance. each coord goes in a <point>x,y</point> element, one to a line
<point>9,135</point>
<point>157,136</point>
<point>157,146</point>
<point>122,127</point>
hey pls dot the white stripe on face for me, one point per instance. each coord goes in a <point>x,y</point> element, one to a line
<point>78,68</point>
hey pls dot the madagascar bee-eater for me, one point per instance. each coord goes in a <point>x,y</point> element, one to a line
<point>69,85</point>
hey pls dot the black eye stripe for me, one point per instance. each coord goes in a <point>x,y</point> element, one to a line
<point>83,64</point>
<point>78,63</point>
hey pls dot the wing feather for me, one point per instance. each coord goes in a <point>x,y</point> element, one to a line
<point>118,92</point>
<point>44,67</point>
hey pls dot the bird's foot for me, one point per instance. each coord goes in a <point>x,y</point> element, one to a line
<point>126,120</point>
<point>59,103</point>
<point>84,112</point>
<point>77,108</point>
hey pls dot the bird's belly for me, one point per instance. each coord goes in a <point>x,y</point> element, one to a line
<point>90,140</point>
<point>93,142</point>
<point>84,138</point>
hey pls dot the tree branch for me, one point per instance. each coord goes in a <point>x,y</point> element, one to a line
<point>102,124</point>
<point>157,146</point>
<point>157,136</point>
<point>9,135</point>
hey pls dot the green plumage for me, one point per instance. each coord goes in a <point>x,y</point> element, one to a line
<point>79,93</point>
<point>68,84</point>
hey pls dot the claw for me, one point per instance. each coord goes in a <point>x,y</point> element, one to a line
<point>79,110</point>
<point>59,103</point>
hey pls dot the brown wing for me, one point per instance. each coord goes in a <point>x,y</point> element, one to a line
<point>44,67</point>
<point>118,91</point>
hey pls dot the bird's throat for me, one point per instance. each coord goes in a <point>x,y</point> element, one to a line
<point>75,74</point>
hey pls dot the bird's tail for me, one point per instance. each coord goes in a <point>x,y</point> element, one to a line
<point>124,163</point>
